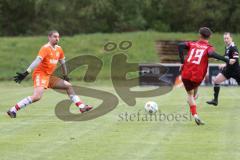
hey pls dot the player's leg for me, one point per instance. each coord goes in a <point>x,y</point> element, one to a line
<point>193,106</point>
<point>191,102</point>
<point>58,83</point>
<point>191,88</point>
<point>237,76</point>
<point>195,93</point>
<point>37,94</point>
<point>216,82</point>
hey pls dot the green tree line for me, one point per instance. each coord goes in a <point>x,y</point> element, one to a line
<point>35,17</point>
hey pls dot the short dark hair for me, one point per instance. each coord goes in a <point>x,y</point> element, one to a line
<point>51,32</point>
<point>205,32</point>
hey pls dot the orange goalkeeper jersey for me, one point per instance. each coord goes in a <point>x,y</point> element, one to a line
<point>50,57</point>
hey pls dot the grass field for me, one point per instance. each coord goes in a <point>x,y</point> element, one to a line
<point>38,134</point>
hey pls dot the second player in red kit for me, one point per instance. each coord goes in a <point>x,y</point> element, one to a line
<point>195,66</point>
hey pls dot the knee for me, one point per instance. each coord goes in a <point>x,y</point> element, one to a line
<point>216,82</point>
<point>36,97</point>
<point>68,85</point>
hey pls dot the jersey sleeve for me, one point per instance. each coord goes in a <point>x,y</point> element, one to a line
<point>62,56</point>
<point>187,44</point>
<point>213,54</point>
<point>210,50</point>
<point>181,47</point>
<point>42,53</point>
<point>235,52</point>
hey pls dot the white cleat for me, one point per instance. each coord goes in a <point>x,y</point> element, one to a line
<point>198,120</point>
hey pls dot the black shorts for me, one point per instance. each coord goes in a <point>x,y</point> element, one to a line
<point>190,85</point>
<point>231,73</point>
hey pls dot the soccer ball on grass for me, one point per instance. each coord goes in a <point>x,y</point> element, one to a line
<point>151,107</point>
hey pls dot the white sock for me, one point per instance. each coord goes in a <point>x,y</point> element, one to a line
<point>23,103</point>
<point>75,99</point>
<point>195,116</point>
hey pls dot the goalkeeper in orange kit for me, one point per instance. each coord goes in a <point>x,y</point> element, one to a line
<point>43,67</point>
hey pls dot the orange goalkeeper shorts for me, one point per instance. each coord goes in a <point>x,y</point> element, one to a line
<point>44,80</point>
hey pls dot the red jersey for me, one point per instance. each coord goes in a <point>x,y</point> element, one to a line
<point>196,63</point>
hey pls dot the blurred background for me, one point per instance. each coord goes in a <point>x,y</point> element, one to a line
<point>86,26</point>
<point>70,17</point>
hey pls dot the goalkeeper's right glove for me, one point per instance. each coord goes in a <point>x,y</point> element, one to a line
<point>20,76</point>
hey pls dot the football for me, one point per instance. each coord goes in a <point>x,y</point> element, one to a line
<point>151,107</point>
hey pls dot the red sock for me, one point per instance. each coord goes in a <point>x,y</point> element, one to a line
<point>193,109</point>
<point>78,103</point>
<point>17,107</point>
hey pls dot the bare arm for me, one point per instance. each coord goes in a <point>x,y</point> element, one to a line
<point>63,66</point>
<point>64,69</point>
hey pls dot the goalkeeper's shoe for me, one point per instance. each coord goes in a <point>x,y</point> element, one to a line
<point>12,114</point>
<point>213,102</point>
<point>198,120</point>
<point>85,108</point>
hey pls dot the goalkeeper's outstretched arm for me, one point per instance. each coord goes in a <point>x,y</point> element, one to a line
<point>20,76</point>
<point>34,64</point>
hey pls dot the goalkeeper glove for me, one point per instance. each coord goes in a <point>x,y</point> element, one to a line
<point>20,76</point>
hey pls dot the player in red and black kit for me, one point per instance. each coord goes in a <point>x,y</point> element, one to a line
<point>227,71</point>
<point>195,66</point>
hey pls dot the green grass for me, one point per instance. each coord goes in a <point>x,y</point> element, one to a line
<point>18,52</point>
<point>38,134</point>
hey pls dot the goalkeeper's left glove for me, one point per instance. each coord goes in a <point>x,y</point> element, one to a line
<point>20,76</point>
